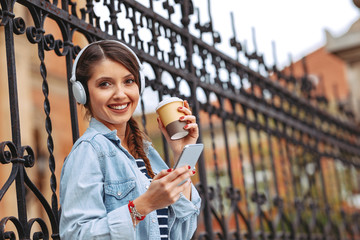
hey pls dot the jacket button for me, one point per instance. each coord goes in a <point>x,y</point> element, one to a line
<point>118,193</point>
<point>153,220</point>
<point>147,186</point>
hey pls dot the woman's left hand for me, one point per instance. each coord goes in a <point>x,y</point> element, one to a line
<point>191,125</point>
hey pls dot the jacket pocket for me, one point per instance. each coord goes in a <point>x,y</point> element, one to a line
<point>118,193</point>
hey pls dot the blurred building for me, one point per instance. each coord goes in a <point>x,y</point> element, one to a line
<point>347,48</point>
<point>327,73</point>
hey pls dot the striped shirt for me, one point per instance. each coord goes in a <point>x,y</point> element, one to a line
<point>162,214</point>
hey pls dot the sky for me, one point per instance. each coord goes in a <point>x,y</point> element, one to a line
<point>296,26</point>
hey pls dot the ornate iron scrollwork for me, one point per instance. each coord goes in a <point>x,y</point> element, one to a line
<point>272,146</point>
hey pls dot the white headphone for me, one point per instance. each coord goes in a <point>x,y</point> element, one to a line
<point>78,89</point>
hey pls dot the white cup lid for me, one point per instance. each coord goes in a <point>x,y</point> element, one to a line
<point>168,100</point>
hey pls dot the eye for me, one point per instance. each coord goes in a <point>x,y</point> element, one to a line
<point>104,84</point>
<point>130,81</point>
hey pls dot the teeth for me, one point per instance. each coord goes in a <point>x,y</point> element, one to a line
<point>118,107</point>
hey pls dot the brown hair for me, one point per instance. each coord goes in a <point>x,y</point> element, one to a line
<point>135,142</point>
<point>118,53</point>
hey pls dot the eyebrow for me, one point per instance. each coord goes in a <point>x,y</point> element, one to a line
<point>129,75</point>
<point>108,78</point>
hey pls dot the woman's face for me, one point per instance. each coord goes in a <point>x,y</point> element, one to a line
<point>113,93</point>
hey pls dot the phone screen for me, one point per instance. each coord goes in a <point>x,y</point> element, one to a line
<point>189,155</point>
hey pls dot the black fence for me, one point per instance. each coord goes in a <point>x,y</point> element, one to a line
<point>277,164</point>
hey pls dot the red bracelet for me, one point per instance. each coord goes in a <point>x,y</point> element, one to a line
<point>134,213</point>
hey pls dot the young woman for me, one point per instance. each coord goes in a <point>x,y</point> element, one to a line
<point>114,184</point>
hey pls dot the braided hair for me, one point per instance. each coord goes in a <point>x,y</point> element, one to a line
<point>135,141</point>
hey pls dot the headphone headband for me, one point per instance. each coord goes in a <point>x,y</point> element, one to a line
<point>78,89</point>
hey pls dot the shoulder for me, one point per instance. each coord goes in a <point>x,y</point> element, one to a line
<point>91,144</point>
<point>83,145</point>
<point>93,139</point>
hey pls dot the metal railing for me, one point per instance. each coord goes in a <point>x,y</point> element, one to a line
<point>276,165</point>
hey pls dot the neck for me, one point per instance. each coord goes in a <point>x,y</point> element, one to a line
<point>121,133</point>
<point>122,138</point>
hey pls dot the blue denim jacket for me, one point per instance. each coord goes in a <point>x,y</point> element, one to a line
<point>98,179</point>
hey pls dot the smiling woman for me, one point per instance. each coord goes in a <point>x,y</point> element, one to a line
<point>114,184</point>
<point>114,95</point>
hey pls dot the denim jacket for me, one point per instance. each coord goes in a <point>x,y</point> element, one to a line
<point>98,179</point>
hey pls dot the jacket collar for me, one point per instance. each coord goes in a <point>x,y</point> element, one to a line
<point>101,128</point>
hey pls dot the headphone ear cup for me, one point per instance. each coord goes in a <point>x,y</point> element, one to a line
<point>79,92</point>
<point>142,81</point>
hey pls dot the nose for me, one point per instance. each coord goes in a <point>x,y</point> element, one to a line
<point>119,92</point>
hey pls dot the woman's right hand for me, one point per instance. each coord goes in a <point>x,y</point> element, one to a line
<point>164,190</point>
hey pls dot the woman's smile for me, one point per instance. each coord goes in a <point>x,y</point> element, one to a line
<point>118,107</point>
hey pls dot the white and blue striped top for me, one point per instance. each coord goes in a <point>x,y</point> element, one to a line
<point>162,214</point>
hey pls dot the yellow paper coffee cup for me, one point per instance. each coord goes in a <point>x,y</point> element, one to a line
<point>169,115</point>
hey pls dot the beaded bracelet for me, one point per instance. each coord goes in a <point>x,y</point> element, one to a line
<point>136,216</point>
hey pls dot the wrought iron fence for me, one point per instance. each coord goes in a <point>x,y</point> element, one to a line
<point>277,164</point>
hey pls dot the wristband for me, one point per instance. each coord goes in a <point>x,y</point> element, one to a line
<point>136,216</point>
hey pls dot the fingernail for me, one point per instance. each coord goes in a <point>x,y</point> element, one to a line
<point>180,108</point>
<point>182,117</point>
<point>189,166</point>
<point>169,170</point>
<point>194,172</point>
<point>186,126</point>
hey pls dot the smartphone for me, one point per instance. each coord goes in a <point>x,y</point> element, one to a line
<point>189,155</point>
